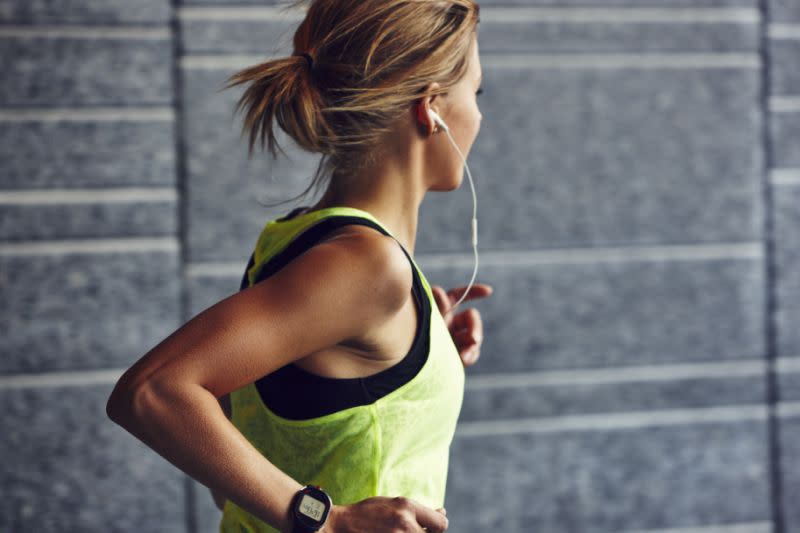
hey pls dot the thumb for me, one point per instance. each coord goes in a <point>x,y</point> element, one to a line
<point>442,510</point>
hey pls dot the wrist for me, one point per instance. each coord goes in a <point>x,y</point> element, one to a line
<point>330,523</point>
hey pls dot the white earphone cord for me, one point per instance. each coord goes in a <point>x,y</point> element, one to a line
<point>474,214</point>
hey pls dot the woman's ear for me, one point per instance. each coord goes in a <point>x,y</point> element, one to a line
<point>424,120</point>
<point>428,126</point>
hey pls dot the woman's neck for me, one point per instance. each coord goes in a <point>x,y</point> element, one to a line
<point>397,210</point>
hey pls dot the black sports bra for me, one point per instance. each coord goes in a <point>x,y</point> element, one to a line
<point>296,394</point>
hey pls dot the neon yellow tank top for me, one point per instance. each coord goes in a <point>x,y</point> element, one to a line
<point>398,445</point>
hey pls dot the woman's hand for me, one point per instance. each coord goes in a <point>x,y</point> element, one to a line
<point>466,327</point>
<point>382,514</point>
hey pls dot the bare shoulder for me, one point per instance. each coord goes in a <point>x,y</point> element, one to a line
<point>378,258</point>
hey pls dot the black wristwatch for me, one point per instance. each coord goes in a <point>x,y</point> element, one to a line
<point>310,508</point>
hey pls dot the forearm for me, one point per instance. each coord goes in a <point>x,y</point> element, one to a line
<point>225,403</point>
<point>187,427</point>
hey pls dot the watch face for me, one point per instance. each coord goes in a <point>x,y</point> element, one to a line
<point>311,507</point>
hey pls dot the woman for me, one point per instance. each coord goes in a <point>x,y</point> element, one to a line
<point>341,379</point>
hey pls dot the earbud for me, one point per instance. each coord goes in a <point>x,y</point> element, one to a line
<point>438,120</point>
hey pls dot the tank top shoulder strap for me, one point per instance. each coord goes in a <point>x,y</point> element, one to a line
<point>322,222</point>
<point>309,238</point>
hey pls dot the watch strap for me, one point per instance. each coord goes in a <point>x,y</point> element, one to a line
<point>300,528</point>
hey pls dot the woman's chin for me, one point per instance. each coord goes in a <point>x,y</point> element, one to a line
<point>458,183</point>
<point>450,184</point>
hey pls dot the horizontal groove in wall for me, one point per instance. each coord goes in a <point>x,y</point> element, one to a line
<point>527,60</point>
<point>784,104</point>
<point>622,60</point>
<point>612,421</point>
<point>245,13</point>
<point>629,15</point>
<point>699,252</point>
<point>618,374</point>
<point>89,114</point>
<point>91,246</point>
<point>590,255</point>
<point>785,176</point>
<point>788,409</point>
<point>787,365</point>
<point>524,14</point>
<point>225,62</point>
<point>87,196</point>
<point>783,31</point>
<point>61,379</point>
<point>749,527</point>
<point>150,33</point>
<point>214,270</point>
<point>621,15</point>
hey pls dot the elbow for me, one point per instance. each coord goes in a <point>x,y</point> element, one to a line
<point>117,404</point>
<point>124,405</point>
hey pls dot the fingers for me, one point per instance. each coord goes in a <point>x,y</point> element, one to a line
<point>466,327</point>
<point>470,321</point>
<point>445,300</point>
<point>429,519</point>
<point>468,350</point>
<point>439,510</point>
<point>467,333</point>
<point>471,357</point>
<point>478,290</point>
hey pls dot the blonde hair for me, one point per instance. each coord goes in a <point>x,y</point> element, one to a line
<point>370,59</point>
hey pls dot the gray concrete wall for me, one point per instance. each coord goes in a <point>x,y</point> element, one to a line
<point>638,179</point>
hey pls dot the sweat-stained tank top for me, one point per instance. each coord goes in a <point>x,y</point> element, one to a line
<point>387,440</point>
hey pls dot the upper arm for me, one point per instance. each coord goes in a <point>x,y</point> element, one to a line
<point>335,290</point>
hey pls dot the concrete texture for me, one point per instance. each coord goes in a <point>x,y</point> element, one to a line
<point>638,181</point>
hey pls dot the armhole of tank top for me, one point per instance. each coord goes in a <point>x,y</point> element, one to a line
<point>415,357</point>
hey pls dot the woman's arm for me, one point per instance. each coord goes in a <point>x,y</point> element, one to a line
<point>169,398</point>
